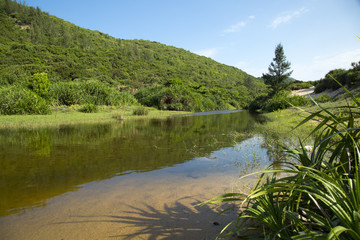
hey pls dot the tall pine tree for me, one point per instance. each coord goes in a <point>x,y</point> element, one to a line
<point>279,71</point>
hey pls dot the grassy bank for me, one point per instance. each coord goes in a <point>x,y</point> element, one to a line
<point>70,115</point>
<point>282,123</point>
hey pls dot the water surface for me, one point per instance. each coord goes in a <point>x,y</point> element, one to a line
<point>135,179</point>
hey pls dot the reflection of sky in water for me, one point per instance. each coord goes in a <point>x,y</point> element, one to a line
<point>245,157</point>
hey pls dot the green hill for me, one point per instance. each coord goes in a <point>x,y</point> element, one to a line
<point>82,65</point>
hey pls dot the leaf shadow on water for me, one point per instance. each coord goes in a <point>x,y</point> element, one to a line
<point>174,221</point>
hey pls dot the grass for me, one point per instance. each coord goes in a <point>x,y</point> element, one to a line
<point>71,115</point>
<point>282,124</point>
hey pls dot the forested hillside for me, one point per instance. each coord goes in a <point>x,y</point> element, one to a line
<point>80,62</point>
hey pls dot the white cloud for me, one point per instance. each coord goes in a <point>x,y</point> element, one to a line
<point>321,65</point>
<point>209,52</point>
<point>236,27</point>
<point>286,17</point>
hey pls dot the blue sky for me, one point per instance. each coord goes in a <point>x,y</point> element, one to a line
<point>317,35</point>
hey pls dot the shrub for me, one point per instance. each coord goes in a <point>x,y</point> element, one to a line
<point>297,85</point>
<point>149,96</point>
<point>179,98</point>
<point>323,98</point>
<point>281,100</point>
<point>39,83</point>
<point>94,92</point>
<point>140,111</point>
<point>321,86</point>
<point>89,92</point>
<point>297,100</point>
<point>18,100</point>
<point>65,93</point>
<point>117,98</point>
<point>278,101</point>
<point>89,108</point>
<point>258,103</point>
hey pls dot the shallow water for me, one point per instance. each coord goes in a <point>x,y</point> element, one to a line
<point>133,179</point>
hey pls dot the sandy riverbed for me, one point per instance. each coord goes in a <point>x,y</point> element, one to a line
<point>154,207</point>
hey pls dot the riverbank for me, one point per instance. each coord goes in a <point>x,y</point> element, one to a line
<point>70,116</point>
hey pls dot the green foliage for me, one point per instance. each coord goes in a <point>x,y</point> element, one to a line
<point>32,42</point>
<point>18,100</point>
<point>280,100</point>
<point>297,85</point>
<point>174,82</point>
<point>141,111</point>
<point>317,196</point>
<point>297,100</point>
<point>88,92</point>
<point>279,71</point>
<point>89,108</point>
<point>323,98</point>
<point>64,93</point>
<point>179,98</point>
<point>349,78</point>
<point>277,102</point>
<point>39,83</point>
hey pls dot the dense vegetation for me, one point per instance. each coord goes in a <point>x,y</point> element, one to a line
<point>33,42</point>
<point>350,77</point>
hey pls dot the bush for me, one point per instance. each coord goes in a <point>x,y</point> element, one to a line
<point>297,100</point>
<point>179,98</point>
<point>89,108</point>
<point>278,101</point>
<point>297,85</point>
<point>323,98</point>
<point>321,86</point>
<point>281,100</point>
<point>39,83</point>
<point>18,100</point>
<point>140,111</point>
<point>64,93</point>
<point>258,103</point>
<point>117,98</point>
<point>89,92</point>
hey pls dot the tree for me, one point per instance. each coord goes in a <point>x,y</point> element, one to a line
<point>279,71</point>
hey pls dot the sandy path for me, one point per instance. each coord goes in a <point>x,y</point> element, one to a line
<point>303,92</point>
<point>309,92</point>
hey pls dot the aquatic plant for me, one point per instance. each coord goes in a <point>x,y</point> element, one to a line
<point>317,196</point>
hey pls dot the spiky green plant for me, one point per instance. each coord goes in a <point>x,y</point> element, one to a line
<point>317,196</point>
